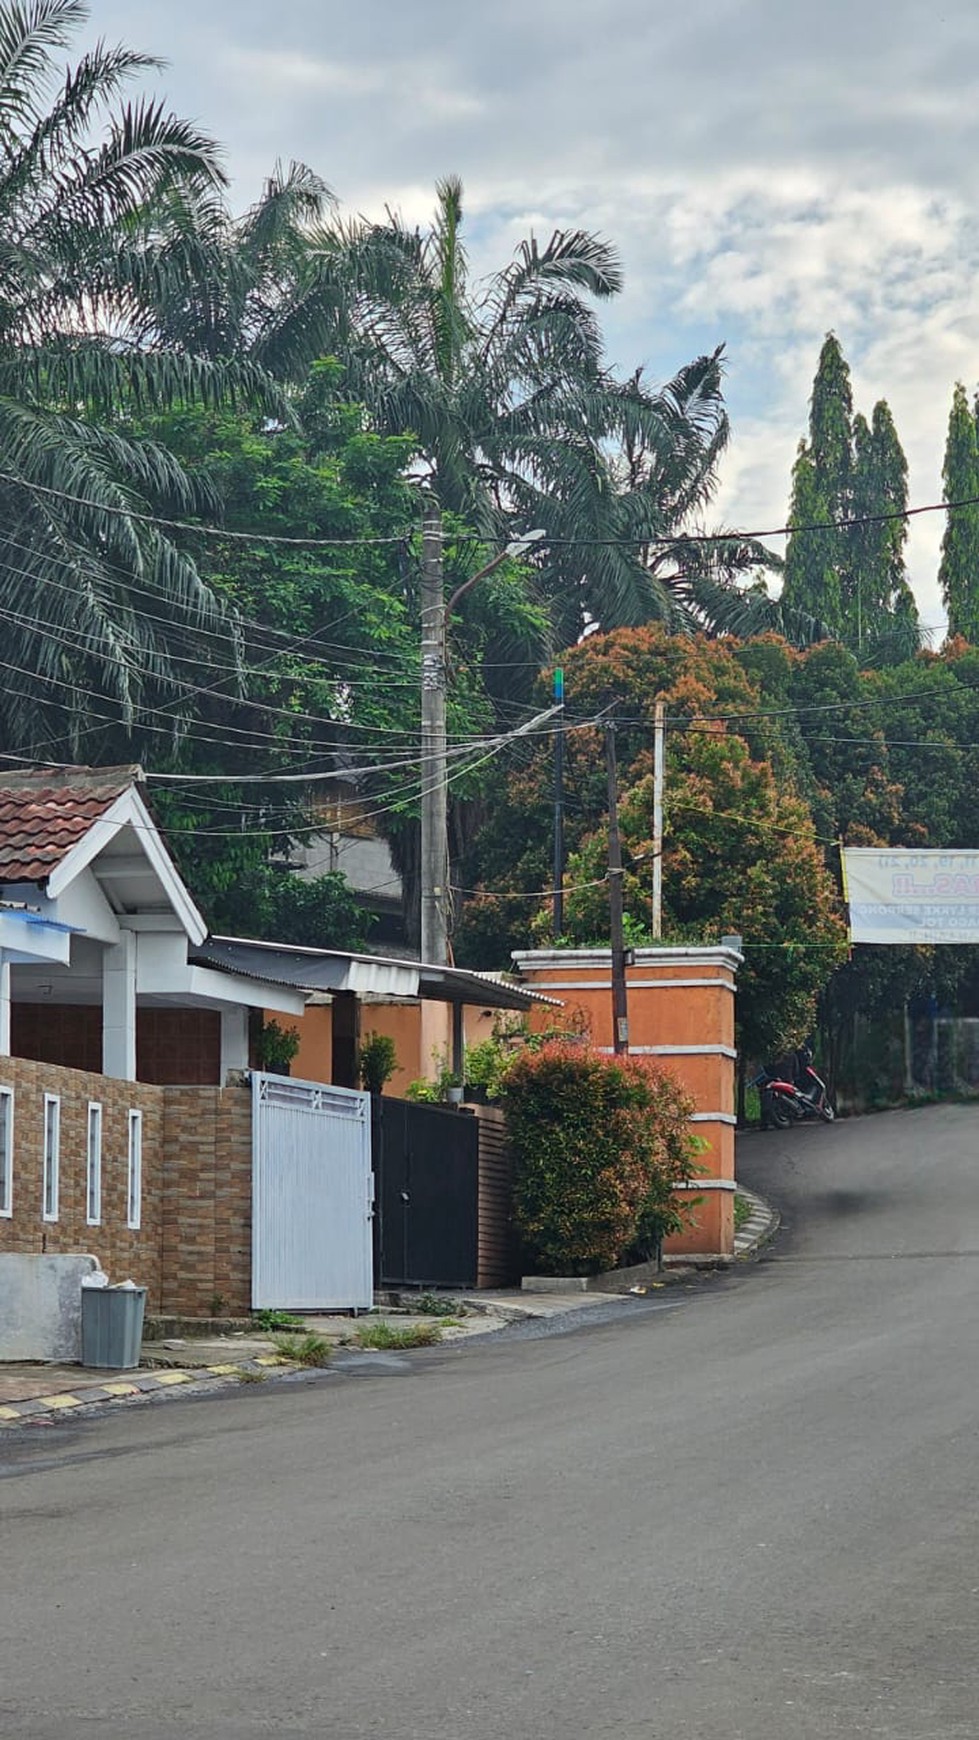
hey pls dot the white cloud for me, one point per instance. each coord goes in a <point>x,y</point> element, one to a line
<point>769,172</point>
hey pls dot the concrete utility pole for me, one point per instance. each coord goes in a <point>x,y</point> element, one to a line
<point>620,1007</point>
<point>434,794</point>
<point>659,780</point>
<point>435,614</point>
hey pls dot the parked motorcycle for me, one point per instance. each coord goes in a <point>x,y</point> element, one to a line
<point>793,1098</point>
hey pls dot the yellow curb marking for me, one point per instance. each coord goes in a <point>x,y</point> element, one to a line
<point>222,1370</point>
<point>61,1401</point>
<point>120,1389</point>
<point>10,1414</point>
<point>172,1377</point>
<point>268,1359</point>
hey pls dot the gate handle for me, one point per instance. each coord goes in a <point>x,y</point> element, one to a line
<point>405,1196</point>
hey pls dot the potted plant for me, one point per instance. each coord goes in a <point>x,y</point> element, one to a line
<point>277,1046</point>
<point>378,1062</point>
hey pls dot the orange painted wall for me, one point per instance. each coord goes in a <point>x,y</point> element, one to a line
<point>402,1023</point>
<point>422,1032</point>
<point>314,1059</point>
<point>681,1018</point>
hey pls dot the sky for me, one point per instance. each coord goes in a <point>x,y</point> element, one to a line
<point>768,170</point>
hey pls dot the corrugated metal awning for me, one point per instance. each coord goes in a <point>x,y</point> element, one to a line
<point>335,970</point>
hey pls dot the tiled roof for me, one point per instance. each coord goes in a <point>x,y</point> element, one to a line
<point>44,812</point>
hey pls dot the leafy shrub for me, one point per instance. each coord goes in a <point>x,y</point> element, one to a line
<point>426,1093</point>
<point>378,1062</point>
<point>486,1065</point>
<point>598,1146</point>
<point>277,1046</point>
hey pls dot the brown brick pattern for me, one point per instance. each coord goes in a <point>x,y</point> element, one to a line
<point>207,1195</point>
<point>122,1253</point>
<point>194,1244</point>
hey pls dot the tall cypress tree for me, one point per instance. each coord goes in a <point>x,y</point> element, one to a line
<point>821,484</point>
<point>880,614</point>
<point>958,573</point>
<point>851,576</point>
<point>812,584</point>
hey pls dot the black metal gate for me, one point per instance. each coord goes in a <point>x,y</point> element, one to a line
<point>426,1175</point>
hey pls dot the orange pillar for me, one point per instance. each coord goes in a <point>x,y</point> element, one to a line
<point>681,1018</point>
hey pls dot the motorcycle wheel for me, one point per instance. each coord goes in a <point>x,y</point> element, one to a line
<point>779,1114</point>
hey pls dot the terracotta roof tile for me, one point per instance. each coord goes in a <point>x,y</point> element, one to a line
<point>44,812</point>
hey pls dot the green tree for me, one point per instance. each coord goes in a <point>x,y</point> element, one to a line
<point>99,201</point>
<point>518,418</point>
<point>880,615</point>
<point>740,853</point>
<point>255,289</point>
<point>848,571</point>
<point>812,580</point>
<point>958,573</point>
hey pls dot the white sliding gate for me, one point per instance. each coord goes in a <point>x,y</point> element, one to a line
<point>312,1196</point>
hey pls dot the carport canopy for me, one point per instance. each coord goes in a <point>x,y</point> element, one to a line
<point>387,976</point>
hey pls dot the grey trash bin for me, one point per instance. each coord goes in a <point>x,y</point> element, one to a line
<point>112,1326</point>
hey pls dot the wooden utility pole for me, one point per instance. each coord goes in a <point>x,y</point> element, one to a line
<point>659,780</point>
<point>434,793</point>
<point>620,1006</point>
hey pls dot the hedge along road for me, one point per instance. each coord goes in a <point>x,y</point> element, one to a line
<point>753,1515</point>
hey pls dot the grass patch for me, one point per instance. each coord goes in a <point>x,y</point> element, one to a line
<point>251,1377</point>
<point>303,1349</point>
<point>432,1305</point>
<point>399,1335</point>
<point>752,1107</point>
<point>742,1211</point>
<point>277,1320</point>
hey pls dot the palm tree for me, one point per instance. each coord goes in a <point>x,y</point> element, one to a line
<point>254,288</point>
<point>102,214</point>
<point>518,419</point>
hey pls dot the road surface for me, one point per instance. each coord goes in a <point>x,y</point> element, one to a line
<point>748,1510</point>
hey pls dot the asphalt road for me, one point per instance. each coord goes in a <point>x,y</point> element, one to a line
<point>750,1509</point>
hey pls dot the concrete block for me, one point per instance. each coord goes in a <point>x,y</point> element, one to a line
<point>554,1284</point>
<point>41,1306</point>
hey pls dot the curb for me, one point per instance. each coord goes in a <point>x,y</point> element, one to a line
<point>124,1389</point>
<point>758,1230</point>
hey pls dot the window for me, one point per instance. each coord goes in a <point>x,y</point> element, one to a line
<point>6,1152</point>
<point>135,1193</point>
<point>93,1170</point>
<point>52,1156</point>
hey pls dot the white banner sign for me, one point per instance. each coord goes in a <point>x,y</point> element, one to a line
<point>898,896</point>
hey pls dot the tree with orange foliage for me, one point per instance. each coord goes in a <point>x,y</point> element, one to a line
<point>740,851</point>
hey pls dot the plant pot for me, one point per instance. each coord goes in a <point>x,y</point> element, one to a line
<point>454,1095</point>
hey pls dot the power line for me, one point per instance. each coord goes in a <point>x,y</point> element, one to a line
<point>636,541</point>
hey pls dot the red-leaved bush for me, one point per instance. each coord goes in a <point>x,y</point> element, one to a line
<point>599,1144</point>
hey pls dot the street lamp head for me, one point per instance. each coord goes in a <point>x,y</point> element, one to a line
<point>520,546</point>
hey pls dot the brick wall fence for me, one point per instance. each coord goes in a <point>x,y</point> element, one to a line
<point>192,1250</point>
